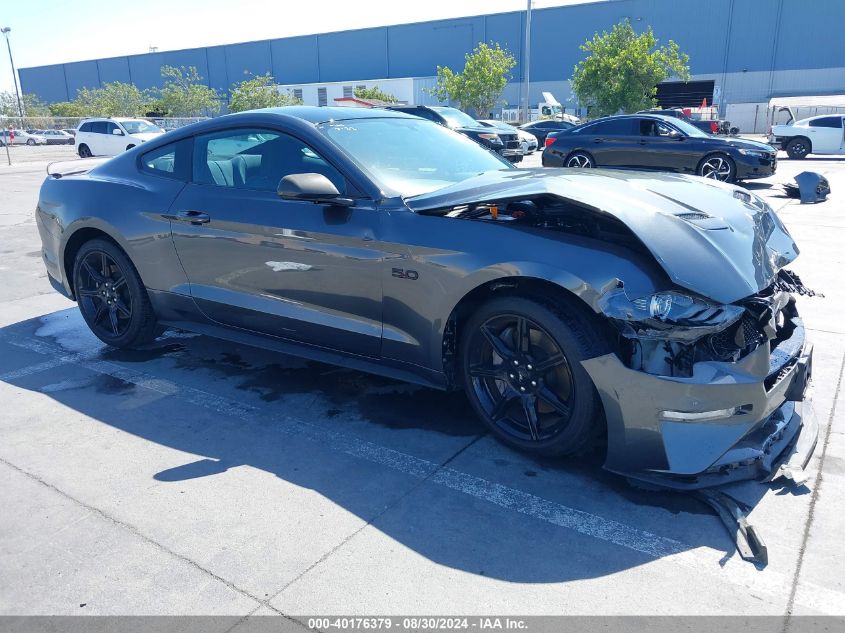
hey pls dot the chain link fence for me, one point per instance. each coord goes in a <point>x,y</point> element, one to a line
<point>71,123</point>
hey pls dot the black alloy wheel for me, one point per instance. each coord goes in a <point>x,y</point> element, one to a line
<point>717,167</point>
<point>103,295</point>
<point>111,296</point>
<point>522,374</point>
<point>580,160</point>
<point>84,152</point>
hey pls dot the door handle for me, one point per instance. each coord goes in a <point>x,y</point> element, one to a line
<point>643,142</point>
<point>598,140</point>
<point>193,217</point>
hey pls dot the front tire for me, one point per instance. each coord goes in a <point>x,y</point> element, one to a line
<point>798,148</point>
<point>111,296</point>
<point>521,367</point>
<point>717,167</point>
<point>30,142</point>
<point>84,151</point>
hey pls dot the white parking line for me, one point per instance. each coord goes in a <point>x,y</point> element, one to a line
<point>663,549</point>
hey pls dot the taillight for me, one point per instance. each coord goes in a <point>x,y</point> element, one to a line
<point>714,127</point>
<point>549,141</point>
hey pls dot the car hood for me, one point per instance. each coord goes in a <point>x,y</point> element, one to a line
<point>714,239</point>
<point>744,143</point>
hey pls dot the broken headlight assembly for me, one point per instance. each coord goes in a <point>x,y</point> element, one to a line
<point>665,333</point>
<point>668,310</point>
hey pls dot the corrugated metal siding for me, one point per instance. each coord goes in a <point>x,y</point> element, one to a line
<point>722,37</point>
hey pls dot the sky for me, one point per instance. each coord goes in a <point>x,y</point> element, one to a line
<point>53,31</point>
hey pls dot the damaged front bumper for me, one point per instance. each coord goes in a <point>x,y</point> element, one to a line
<point>728,421</point>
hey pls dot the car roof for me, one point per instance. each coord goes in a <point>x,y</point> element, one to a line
<point>638,115</point>
<point>322,114</point>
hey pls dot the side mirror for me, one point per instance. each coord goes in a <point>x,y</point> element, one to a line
<point>117,132</point>
<point>311,188</point>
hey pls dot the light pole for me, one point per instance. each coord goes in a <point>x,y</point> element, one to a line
<point>527,61</point>
<point>5,31</point>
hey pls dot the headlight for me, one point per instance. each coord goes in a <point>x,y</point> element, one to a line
<point>669,307</point>
<point>759,153</point>
<point>491,137</point>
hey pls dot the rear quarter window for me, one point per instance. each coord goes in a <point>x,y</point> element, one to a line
<point>168,161</point>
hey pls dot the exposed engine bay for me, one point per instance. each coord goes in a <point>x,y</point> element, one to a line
<point>548,212</point>
<point>666,333</point>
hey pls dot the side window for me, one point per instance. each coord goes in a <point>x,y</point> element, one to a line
<point>650,127</point>
<point>98,127</point>
<point>111,126</point>
<point>665,130</point>
<point>256,159</point>
<point>85,127</point>
<point>614,127</point>
<point>168,161</point>
<point>828,121</point>
<point>322,98</point>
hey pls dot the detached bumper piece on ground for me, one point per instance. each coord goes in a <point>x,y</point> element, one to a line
<point>809,187</point>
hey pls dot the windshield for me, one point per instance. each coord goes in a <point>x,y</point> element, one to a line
<point>140,127</point>
<point>688,128</point>
<point>456,118</point>
<point>411,156</point>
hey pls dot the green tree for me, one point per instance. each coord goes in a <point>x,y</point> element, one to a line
<point>185,95</point>
<point>479,86</point>
<point>623,69</point>
<point>112,99</point>
<point>258,92</point>
<point>376,94</point>
<point>32,105</point>
<point>67,109</point>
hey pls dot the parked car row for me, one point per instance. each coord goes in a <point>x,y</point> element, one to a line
<point>501,141</point>
<point>665,140</point>
<point>20,137</point>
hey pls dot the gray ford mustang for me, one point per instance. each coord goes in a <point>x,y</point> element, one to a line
<point>648,311</point>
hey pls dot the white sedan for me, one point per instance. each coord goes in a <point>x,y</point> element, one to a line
<point>817,135</point>
<point>20,137</point>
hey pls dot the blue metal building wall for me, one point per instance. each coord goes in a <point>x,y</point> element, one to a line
<point>721,37</point>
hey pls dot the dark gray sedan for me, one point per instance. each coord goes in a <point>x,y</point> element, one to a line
<point>651,312</point>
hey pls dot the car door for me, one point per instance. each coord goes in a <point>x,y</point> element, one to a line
<point>826,134</point>
<point>292,269</point>
<point>97,141</point>
<point>612,143</point>
<point>541,130</point>
<point>115,139</point>
<point>663,147</point>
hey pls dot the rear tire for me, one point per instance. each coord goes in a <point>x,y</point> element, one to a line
<point>580,160</point>
<point>83,151</point>
<point>30,142</point>
<point>798,148</point>
<point>111,296</point>
<point>128,147</point>
<point>521,367</point>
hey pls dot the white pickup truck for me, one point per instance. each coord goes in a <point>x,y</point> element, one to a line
<point>823,134</point>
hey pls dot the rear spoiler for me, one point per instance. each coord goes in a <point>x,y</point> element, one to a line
<point>59,169</point>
